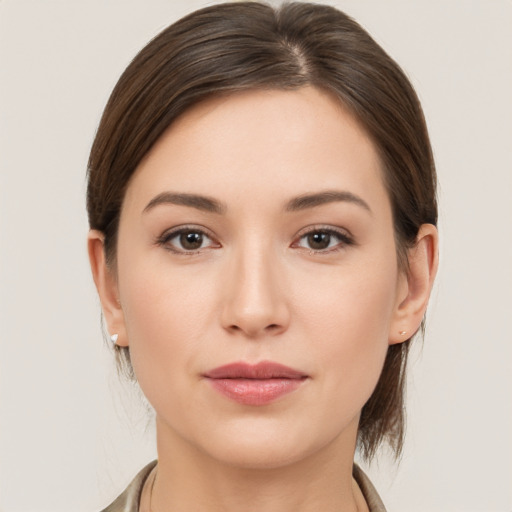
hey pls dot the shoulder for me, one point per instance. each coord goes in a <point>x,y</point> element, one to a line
<point>369,492</point>
<point>129,500</point>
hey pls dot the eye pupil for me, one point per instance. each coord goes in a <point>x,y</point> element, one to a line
<point>191,240</point>
<point>319,240</point>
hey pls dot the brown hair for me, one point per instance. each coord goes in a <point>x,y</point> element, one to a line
<point>250,45</point>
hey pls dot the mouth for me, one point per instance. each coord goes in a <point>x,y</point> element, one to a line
<point>257,384</point>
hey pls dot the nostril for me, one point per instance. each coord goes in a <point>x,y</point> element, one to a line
<point>272,328</point>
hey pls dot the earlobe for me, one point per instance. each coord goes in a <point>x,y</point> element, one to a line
<point>416,285</point>
<point>106,284</point>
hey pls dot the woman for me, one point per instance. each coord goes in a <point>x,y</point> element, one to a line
<point>262,207</point>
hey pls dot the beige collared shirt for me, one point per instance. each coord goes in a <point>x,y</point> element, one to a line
<point>129,500</point>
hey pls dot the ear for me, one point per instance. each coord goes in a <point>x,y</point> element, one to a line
<point>415,285</point>
<point>106,284</point>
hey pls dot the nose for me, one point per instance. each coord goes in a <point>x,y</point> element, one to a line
<point>254,303</point>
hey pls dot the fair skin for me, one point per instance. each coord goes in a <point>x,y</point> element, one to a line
<point>313,285</point>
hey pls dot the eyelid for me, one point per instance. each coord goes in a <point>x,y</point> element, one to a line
<point>165,238</point>
<point>324,227</point>
<point>342,234</point>
<point>345,237</point>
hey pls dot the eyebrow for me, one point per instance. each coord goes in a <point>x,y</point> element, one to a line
<point>204,203</point>
<point>306,201</point>
<point>299,203</point>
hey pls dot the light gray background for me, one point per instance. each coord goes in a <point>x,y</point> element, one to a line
<point>70,437</point>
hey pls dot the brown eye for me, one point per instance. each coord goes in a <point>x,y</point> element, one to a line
<point>318,240</point>
<point>191,240</point>
<point>186,240</point>
<point>324,240</point>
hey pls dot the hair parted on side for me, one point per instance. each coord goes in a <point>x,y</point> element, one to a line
<point>239,46</point>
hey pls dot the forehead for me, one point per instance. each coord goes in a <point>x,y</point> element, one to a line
<point>280,143</point>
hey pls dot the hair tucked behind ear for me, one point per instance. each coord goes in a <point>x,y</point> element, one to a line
<point>232,47</point>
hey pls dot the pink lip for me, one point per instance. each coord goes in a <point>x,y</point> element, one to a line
<point>255,384</point>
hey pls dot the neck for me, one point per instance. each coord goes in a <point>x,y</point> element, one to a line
<point>190,479</point>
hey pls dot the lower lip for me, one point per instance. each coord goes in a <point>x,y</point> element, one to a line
<point>255,391</point>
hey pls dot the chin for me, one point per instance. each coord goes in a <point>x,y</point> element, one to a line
<point>259,455</point>
<point>260,445</point>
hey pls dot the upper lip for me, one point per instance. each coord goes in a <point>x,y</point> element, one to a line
<point>262,370</point>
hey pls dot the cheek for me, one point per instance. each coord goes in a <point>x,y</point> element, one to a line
<point>167,317</point>
<point>346,317</point>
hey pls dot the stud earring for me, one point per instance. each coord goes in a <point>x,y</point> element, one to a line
<point>402,333</point>
<point>113,338</point>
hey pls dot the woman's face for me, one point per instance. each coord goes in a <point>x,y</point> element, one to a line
<point>258,229</point>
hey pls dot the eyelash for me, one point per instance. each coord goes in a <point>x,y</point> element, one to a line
<point>344,239</point>
<point>165,239</point>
